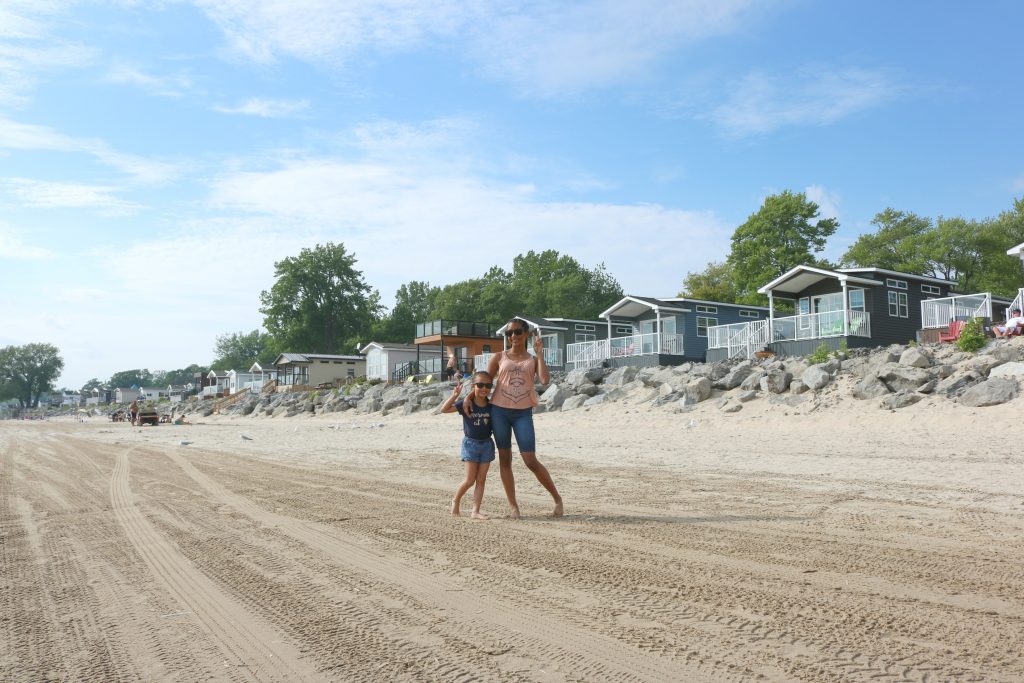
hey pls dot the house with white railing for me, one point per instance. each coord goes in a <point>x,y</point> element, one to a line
<point>391,362</point>
<point>556,334</point>
<point>858,307</point>
<point>645,331</point>
<point>315,369</point>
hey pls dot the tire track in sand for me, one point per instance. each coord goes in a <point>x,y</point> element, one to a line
<point>253,648</point>
<point>583,653</point>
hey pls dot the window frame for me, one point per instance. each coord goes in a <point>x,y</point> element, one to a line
<point>704,308</point>
<point>934,290</point>
<point>749,314</point>
<point>898,302</point>
<point>708,322</point>
<point>584,327</point>
<point>893,283</point>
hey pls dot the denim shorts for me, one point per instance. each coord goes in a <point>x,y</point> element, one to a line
<point>505,421</point>
<point>477,450</point>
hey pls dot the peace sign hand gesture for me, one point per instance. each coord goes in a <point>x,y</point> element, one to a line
<point>538,345</point>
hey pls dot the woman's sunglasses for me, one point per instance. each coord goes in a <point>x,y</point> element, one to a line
<point>515,332</point>
<point>483,385</point>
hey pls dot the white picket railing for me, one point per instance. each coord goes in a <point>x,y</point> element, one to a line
<point>936,313</point>
<point>1017,305</point>
<point>593,353</point>
<point>821,325</point>
<point>739,338</point>
<point>587,354</point>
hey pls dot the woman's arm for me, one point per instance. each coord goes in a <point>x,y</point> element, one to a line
<point>543,374</point>
<point>492,365</point>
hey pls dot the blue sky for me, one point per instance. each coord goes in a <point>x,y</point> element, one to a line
<point>156,158</point>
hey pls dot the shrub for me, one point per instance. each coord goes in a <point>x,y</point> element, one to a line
<point>820,354</point>
<point>973,337</point>
<point>842,351</point>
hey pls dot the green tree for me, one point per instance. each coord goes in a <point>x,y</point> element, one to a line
<point>94,383</point>
<point>319,302</point>
<point>460,301</point>
<point>129,378</point>
<point>551,284</point>
<point>952,250</point>
<point>896,243</point>
<point>784,233</point>
<point>414,303</point>
<point>714,283</point>
<point>180,376</point>
<point>28,371</point>
<point>239,350</point>
<point>1001,274</point>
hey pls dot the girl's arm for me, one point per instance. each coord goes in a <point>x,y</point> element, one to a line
<point>543,374</point>
<point>449,404</point>
<point>492,365</point>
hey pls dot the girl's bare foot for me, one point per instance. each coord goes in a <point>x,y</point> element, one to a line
<point>479,515</point>
<point>455,508</point>
<point>558,510</point>
<point>515,513</point>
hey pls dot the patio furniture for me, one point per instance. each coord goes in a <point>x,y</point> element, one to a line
<point>956,327</point>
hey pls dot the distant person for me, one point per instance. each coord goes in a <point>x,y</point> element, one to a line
<point>514,398</point>
<point>477,446</point>
<point>133,410</point>
<point>452,370</point>
<point>1013,325</point>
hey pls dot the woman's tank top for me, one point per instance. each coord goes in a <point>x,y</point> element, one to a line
<point>514,383</point>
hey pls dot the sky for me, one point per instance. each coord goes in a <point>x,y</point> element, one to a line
<point>157,158</point>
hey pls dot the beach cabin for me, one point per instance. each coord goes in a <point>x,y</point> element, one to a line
<point>237,381</point>
<point>314,369</point>
<point>71,399</point>
<point>99,396</point>
<point>466,340</point>
<point>125,395</point>
<point>648,331</point>
<point>152,393</point>
<point>556,333</point>
<point>215,385</point>
<point>262,373</point>
<point>390,362</point>
<point>858,307</point>
<point>177,392</point>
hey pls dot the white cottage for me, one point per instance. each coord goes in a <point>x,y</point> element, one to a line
<point>386,361</point>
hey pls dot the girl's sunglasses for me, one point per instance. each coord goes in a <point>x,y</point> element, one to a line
<point>515,332</point>
<point>483,385</point>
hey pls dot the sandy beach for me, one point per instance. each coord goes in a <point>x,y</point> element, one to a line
<point>848,544</point>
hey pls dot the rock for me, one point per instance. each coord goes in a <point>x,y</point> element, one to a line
<point>429,401</point>
<point>735,376</point>
<point>588,390</point>
<point>555,396</point>
<point>1013,369</point>
<point>370,404</point>
<point>574,402</point>
<point>753,380</point>
<point>928,387</point>
<point>915,358</point>
<point>745,396</point>
<point>635,385</point>
<point>797,387</point>
<point>595,400</point>
<point>900,399</point>
<point>776,381</point>
<point>540,408</point>
<point>816,377</point>
<point>279,411</point>
<point>643,396</point>
<point>581,375</point>
<point>901,377</point>
<point>667,398</point>
<point>956,384</point>
<point>1004,353</point>
<point>666,389</point>
<point>698,390</point>
<point>620,376</point>
<point>991,392</point>
<point>732,407</point>
<point>409,408</point>
<point>659,377</point>
<point>869,387</point>
<point>682,369</point>
<point>393,403</point>
<point>982,364</point>
<point>943,371</point>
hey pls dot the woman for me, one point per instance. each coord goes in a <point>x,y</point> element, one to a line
<point>513,400</point>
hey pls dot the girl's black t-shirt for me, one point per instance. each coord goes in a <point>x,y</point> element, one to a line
<point>478,424</point>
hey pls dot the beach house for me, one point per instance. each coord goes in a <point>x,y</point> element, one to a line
<point>556,334</point>
<point>464,339</point>
<point>314,369</point>
<point>644,331</point>
<point>392,362</point>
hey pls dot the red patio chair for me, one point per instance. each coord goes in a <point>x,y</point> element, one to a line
<point>956,327</point>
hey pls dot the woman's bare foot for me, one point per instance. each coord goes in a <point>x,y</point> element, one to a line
<point>455,508</point>
<point>558,510</point>
<point>479,515</point>
<point>515,513</point>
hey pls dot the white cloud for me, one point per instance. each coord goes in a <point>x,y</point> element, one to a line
<point>1017,184</point>
<point>14,248</point>
<point>814,96</point>
<point>47,195</point>
<point>543,50</point>
<point>828,202</point>
<point>267,108</point>
<point>173,85</point>
<point>26,136</point>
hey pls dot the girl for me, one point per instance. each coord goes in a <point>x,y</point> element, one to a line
<point>513,402</point>
<point>477,447</point>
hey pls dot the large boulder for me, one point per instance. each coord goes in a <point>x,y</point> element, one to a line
<point>902,377</point>
<point>554,397</point>
<point>588,389</point>
<point>1013,369</point>
<point>574,402</point>
<point>956,384</point>
<point>869,387</point>
<point>776,381</point>
<point>816,377</point>
<point>753,380</point>
<point>735,376</point>
<point>900,399</point>
<point>991,392</point>
<point>982,364</point>
<point>915,358</point>
<point>590,375</point>
<point>697,390</point>
<point>620,376</point>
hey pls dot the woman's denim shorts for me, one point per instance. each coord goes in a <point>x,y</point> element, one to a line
<point>477,450</point>
<point>505,421</point>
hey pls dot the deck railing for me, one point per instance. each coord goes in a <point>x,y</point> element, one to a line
<point>456,328</point>
<point>821,325</point>
<point>1017,304</point>
<point>740,339</point>
<point>937,313</point>
<point>593,353</point>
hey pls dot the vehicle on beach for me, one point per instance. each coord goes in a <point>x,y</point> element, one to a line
<point>147,416</point>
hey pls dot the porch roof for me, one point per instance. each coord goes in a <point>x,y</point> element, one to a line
<point>533,323</point>
<point>1016,251</point>
<point>632,306</point>
<point>801,277</point>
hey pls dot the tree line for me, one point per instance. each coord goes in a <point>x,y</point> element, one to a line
<point>320,302</point>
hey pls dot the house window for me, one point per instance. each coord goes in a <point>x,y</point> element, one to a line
<point>931,289</point>
<point>586,328</point>
<point>487,348</point>
<point>707,309</point>
<point>857,300</point>
<point>895,284</point>
<point>585,337</point>
<point>703,324</point>
<point>749,314</point>
<point>623,330</point>
<point>898,307</point>
<point>803,311</point>
<point>351,373</point>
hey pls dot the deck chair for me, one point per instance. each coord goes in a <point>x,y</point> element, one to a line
<point>956,327</point>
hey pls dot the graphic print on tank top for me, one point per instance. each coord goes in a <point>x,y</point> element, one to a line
<point>517,385</point>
